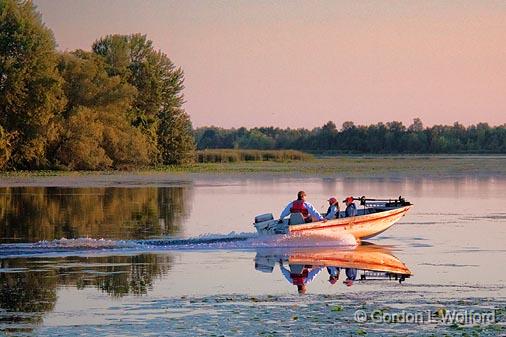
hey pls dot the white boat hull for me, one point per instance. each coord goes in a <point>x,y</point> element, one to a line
<point>361,227</point>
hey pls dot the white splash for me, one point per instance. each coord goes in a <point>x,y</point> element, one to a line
<point>84,243</point>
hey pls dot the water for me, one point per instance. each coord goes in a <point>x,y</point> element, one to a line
<point>145,254</point>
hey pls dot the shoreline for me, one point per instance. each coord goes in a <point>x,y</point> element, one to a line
<point>349,167</point>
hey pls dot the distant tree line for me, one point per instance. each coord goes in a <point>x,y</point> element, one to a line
<point>116,106</point>
<point>391,137</point>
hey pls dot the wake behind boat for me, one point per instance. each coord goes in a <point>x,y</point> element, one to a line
<point>375,217</point>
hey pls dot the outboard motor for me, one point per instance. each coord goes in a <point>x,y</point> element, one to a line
<point>265,224</point>
<point>265,263</point>
<point>266,259</point>
<point>264,217</point>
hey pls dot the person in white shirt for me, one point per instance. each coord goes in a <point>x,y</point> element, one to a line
<point>300,275</point>
<point>301,206</point>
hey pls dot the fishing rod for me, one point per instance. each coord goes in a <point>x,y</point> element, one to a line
<point>389,202</point>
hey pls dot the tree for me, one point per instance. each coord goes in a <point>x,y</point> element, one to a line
<point>376,135</point>
<point>255,140</point>
<point>31,96</point>
<point>86,83</point>
<point>100,103</point>
<point>175,140</point>
<point>348,125</point>
<point>417,125</point>
<point>326,135</point>
<point>330,127</point>
<point>157,109</point>
<point>82,146</point>
<point>392,137</point>
<point>5,148</point>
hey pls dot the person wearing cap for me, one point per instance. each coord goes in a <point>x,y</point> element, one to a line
<point>333,210</point>
<point>301,206</point>
<point>299,275</point>
<point>351,275</point>
<point>351,209</point>
<point>333,274</point>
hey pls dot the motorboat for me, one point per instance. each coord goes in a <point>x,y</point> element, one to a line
<point>374,217</point>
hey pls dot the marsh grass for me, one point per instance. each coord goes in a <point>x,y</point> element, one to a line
<point>339,166</point>
<point>378,166</point>
<point>239,155</point>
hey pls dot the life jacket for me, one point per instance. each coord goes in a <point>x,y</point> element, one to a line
<point>336,216</point>
<point>298,279</point>
<point>337,211</point>
<point>351,210</point>
<point>299,207</point>
<point>351,274</point>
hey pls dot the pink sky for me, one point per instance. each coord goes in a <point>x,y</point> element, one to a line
<point>302,63</point>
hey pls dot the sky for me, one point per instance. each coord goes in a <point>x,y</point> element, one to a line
<point>303,63</point>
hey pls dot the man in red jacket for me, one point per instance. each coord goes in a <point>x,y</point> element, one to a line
<point>301,206</point>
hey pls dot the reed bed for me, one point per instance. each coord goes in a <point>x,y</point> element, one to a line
<point>238,155</point>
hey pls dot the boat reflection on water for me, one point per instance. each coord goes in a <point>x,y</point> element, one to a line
<point>300,266</point>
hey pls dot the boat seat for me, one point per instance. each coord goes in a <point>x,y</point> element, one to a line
<point>296,219</point>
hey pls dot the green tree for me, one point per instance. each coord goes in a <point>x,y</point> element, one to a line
<point>88,84</point>
<point>31,97</point>
<point>255,140</point>
<point>5,148</point>
<point>81,148</point>
<point>327,135</point>
<point>417,125</point>
<point>101,103</point>
<point>174,131</point>
<point>157,109</point>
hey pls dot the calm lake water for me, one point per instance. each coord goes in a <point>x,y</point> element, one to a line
<point>166,257</point>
